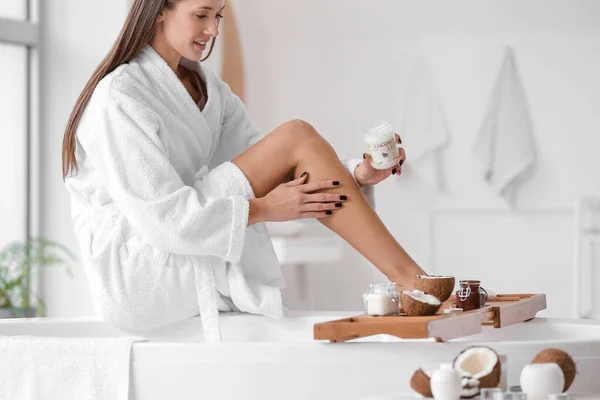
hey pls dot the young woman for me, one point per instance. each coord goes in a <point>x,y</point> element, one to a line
<point>170,182</point>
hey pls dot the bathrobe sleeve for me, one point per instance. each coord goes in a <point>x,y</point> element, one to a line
<point>367,190</point>
<point>121,138</point>
<point>239,134</point>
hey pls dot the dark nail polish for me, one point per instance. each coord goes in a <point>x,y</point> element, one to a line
<point>338,205</point>
<point>328,212</point>
<point>401,162</point>
<point>302,176</point>
<point>364,156</point>
<point>394,172</point>
<point>343,197</point>
<point>399,140</point>
<point>336,183</point>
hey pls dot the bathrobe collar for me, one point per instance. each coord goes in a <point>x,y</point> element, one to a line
<point>206,119</point>
<point>148,53</point>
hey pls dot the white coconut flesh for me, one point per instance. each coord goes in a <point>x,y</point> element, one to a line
<point>433,276</point>
<point>469,382</point>
<point>470,386</point>
<point>477,362</point>
<point>423,298</point>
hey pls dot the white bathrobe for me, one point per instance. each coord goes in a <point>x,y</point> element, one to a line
<point>159,210</point>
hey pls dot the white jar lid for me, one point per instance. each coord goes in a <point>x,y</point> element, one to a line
<point>382,127</point>
<point>446,367</point>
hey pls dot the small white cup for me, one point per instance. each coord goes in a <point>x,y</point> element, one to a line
<point>559,396</point>
<point>490,393</point>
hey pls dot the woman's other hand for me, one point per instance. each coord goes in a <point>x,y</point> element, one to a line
<point>296,200</point>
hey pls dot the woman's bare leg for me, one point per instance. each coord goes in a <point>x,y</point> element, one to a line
<point>296,147</point>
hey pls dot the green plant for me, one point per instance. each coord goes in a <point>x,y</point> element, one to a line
<point>18,261</point>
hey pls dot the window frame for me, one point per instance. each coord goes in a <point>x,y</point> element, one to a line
<point>26,33</point>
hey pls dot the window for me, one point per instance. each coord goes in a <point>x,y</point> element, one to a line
<point>13,142</point>
<point>13,9</point>
<point>19,44</point>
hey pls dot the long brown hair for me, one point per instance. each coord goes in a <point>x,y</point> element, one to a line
<point>137,32</point>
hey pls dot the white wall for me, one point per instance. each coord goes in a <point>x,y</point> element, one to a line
<point>342,64</point>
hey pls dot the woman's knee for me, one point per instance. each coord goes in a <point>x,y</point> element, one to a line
<point>300,129</point>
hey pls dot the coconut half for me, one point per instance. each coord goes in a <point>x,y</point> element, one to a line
<point>421,383</point>
<point>415,303</point>
<point>439,286</point>
<point>481,363</point>
<point>564,361</point>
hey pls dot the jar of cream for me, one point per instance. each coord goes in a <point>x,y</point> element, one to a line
<point>381,145</point>
<point>381,299</point>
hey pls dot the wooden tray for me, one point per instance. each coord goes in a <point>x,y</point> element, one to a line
<point>499,311</point>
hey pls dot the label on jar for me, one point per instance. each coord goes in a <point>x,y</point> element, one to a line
<point>383,153</point>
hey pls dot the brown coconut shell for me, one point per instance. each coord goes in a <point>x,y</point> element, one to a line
<point>414,307</point>
<point>492,379</point>
<point>440,287</point>
<point>564,361</point>
<point>421,383</point>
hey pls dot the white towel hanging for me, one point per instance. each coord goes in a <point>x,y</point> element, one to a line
<point>505,143</point>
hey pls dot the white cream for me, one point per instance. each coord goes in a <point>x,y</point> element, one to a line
<point>381,304</point>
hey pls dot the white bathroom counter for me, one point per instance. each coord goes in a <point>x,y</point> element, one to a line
<point>268,356</point>
<point>416,396</point>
